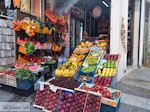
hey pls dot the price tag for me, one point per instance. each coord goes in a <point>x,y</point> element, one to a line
<point>100,66</point>
<point>53,88</point>
<point>41,86</point>
<point>95,55</point>
<point>74,59</point>
<point>96,42</point>
<point>85,65</point>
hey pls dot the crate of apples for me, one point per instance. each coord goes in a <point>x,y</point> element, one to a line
<point>78,102</point>
<point>103,81</point>
<point>93,103</point>
<point>40,97</point>
<point>51,101</point>
<point>86,101</point>
<point>112,57</point>
<point>109,96</point>
<point>65,101</point>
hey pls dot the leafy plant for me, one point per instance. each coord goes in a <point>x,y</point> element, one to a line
<point>30,48</point>
<point>23,74</point>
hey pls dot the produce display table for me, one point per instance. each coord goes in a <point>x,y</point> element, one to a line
<point>91,72</point>
<point>8,80</point>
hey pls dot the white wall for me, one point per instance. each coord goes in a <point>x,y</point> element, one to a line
<point>119,9</point>
<point>142,33</point>
<point>136,32</point>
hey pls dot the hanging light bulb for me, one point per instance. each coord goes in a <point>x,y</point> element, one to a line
<point>105,3</point>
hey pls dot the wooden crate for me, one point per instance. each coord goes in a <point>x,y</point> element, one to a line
<point>3,79</point>
<point>11,81</point>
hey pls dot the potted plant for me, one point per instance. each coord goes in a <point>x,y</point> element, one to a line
<point>25,79</point>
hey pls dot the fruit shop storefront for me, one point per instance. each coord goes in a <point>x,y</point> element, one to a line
<point>86,79</point>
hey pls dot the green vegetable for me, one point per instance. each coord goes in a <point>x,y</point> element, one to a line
<point>30,48</point>
<point>23,74</point>
<point>88,69</point>
<point>91,61</point>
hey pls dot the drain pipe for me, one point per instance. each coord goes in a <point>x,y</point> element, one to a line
<point>139,35</point>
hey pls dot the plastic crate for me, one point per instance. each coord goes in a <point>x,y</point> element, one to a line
<point>107,108</point>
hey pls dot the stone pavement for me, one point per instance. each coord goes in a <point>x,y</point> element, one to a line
<point>135,96</point>
<point>135,89</point>
<point>136,83</point>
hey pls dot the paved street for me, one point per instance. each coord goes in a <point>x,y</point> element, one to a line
<point>134,98</point>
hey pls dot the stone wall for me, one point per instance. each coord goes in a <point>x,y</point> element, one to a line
<point>7,43</point>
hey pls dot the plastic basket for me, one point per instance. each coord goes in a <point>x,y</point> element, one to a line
<point>24,84</point>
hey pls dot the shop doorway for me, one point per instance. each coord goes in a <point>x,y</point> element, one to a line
<point>91,17</point>
<point>147,35</point>
<point>130,38</point>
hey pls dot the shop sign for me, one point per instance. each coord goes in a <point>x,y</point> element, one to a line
<point>123,35</point>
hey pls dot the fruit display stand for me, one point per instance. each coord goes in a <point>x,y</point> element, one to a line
<point>98,86</point>
<point>33,37</point>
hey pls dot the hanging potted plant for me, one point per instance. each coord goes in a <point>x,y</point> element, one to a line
<point>25,79</point>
